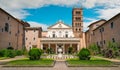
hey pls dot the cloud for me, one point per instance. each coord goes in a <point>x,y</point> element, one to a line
<point>108,8</point>
<point>36,24</point>
<point>105,8</point>
<point>107,13</point>
<point>86,24</point>
<point>16,7</point>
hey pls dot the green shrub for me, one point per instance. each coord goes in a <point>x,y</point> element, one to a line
<point>10,48</point>
<point>11,53</point>
<point>2,52</point>
<point>94,49</point>
<point>34,54</point>
<point>70,50</point>
<point>84,54</point>
<point>7,53</point>
<point>19,52</point>
<point>49,50</point>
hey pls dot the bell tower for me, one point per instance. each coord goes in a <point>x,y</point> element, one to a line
<point>77,22</point>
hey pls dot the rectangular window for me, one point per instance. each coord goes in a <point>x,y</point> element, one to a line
<point>78,19</point>
<point>26,38</point>
<point>77,12</point>
<point>9,43</point>
<point>10,32</point>
<point>113,40</point>
<point>102,29</point>
<point>111,24</point>
<point>34,38</point>
<point>53,35</point>
<point>18,31</point>
<point>66,35</point>
<point>104,41</point>
<point>97,43</point>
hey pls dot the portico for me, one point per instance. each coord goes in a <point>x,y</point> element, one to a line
<point>62,43</point>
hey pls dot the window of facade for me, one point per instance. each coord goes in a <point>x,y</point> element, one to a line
<point>34,38</point>
<point>10,32</point>
<point>102,29</point>
<point>9,43</point>
<point>111,25</point>
<point>104,41</point>
<point>66,35</point>
<point>76,29</point>
<point>113,40</point>
<point>6,27</point>
<point>78,18</point>
<point>26,38</point>
<point>53,35</point>
<point>77,12</point>
<point>97,43</point>
<point>18,31</point>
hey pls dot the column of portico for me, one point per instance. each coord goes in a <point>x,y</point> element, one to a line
<point>63,48</point>
<point>78,47</point>
<point>41,46</point>
<point>56,49</point>
<point>48,45</point>
<point>70,45</point>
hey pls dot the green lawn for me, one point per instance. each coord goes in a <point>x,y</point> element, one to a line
<point>2,58</point>
<point>91,62</point>
<point>27,62</point>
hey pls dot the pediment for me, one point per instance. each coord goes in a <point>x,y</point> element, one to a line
<point>59,24</point>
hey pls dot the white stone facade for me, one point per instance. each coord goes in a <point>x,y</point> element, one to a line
<point>60,30</point>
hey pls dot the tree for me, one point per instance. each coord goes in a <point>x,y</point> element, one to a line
<point>84,54</point>
<point>94,49</point>
<point>34,54</point>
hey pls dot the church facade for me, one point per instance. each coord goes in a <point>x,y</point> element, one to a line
<point>58,36</point>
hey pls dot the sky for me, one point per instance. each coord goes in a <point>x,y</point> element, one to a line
<point>47,12</point>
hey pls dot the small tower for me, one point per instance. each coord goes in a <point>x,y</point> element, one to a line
<point>77,22</point>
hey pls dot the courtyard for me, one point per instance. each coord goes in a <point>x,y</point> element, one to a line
<point>60,65</point>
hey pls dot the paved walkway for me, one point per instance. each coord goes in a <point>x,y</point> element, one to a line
<point>11,59</point>
<point>59,65</point>
<point>113,60</point>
